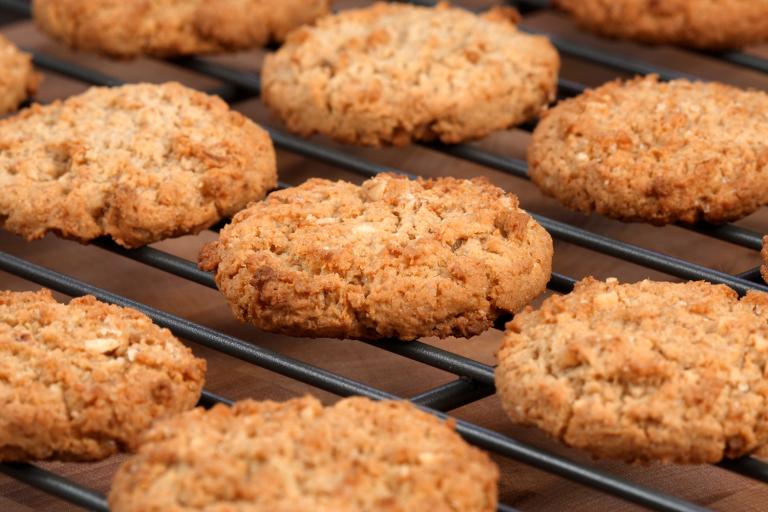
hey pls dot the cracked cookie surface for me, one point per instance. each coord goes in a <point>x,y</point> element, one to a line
<point>645,150</point>
<point>138,163</point>
<point>695,23</point>
<point>298,455</point>
<point>389,74</point>
<point>82,381</point>
<point>390,258</point>
<point>18,79</point>
<point>165,28</point>
<point>650,371</point>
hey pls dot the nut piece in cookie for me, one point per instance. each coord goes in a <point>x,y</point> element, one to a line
<point>138,163</point>
<point>84,380</point>
<point>650,371</point>
<point>166,28</point>
<point>389,74</point>
<point>298,455</point>
<point>18,79</point>
<point>390,258</point>
<point>657,152</point>
<point>700,24</point>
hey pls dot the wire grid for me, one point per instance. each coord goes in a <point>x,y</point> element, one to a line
<point>474,379</point>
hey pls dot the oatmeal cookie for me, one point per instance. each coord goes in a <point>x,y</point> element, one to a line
<point>298,455</point>
<point>392,73</point>
<point>138,163</point>
<point>704,24</point>
<point>166,28</point>
<point>650,371</point>
<point>390,258</point>
<point>82,381</point>
<point>657,152</point>
<point>18,79</point>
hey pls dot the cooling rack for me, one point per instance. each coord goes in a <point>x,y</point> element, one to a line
<point>473,379</point>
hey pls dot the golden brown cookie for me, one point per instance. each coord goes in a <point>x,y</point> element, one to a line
<point>390,258</point>
<point>18,79</point>
<point>695,23</point>
<point>650,371</point>
<point>298,455</point>
<point>138,163</point>
<point>764,254</point>
<point>390,73</point>
<point>658,152</point>
<point>84,380</point>
<point>166,28</point>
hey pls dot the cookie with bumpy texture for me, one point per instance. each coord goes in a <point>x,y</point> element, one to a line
<point>298,455</point>
<point>390,258</point>
<point>83,380</point>
<point>764,254</point>
<point>165,28</point>
<point>18,79</point>
<point>650,371</point>
<point>138,163</point>
<point>390,73</point>
<point>694,23</point>
<point>658,152</point>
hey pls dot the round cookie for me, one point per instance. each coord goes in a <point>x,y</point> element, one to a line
<point>18,79</point>
<point>138,163</point>
<point>658,152</point>
<point>390,73</point>
<point>700,24</point>
<point>166,28</point>
<point>650,371</point>
<point>764,254</point>
<point>298,455</point>
<point>84,380</point>
<point>390,258</point>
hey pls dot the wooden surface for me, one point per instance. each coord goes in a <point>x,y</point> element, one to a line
<point>521,486</point>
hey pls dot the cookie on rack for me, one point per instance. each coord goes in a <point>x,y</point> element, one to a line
<point>764,254</point>
<point>392,257</point>
<point>18,79</point>
<point>166,28</point>
<point>298,455</point>
<point>138,163</point>
<point>650,371</point>
<point>82,381</point>
<point>658,152</point>
<point>700,24</point>
<point>389,74</point>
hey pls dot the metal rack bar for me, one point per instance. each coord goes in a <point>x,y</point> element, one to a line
<point>453,395</point>
<point>746,60</point>
<point>752,274</point>
<point>55,484</point>
<point>651,259</point>
<point>208,399</point>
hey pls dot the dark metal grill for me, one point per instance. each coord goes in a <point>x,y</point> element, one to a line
<point>474,379</point>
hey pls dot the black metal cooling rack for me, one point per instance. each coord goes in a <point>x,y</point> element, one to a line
<point>474,379</point>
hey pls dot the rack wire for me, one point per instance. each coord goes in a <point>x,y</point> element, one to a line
<point>474,380</point>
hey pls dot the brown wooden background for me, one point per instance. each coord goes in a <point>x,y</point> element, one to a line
<point>521,486</point>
